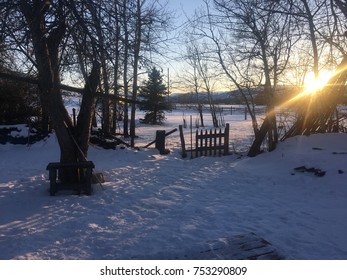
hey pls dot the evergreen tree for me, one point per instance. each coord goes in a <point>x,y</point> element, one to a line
<point>153,94</point>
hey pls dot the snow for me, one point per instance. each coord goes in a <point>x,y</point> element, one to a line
<point>157,205</point>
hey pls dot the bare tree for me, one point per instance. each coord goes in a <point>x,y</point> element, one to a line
<point>84,26</point>
<point>325,22</point>
<point>317,113</point>
<point>223,51</point>
<point>252,44</point>
<point>150,20</point>
<point>40,34</point>
<point>126,46</point>
<point>117,58</point>
<point>139,22</point>
<point>272,38</point>
<point>99,16</point>
<point>316,28</point>
<point>204,70</point>
<point>342,5</point>
<point>192,79</point>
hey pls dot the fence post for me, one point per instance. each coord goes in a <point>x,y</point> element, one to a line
<point>160,141</point>
<point>191,136</point>
<point>183,143</point>
<point>226,140</point>
<point>74,116</point>
<point>196,143</point>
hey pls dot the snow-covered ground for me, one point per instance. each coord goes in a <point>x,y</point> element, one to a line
<point>154,204</point>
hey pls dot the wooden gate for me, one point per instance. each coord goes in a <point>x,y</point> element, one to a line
<point>212,142</point>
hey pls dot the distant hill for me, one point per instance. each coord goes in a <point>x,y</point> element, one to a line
<point>225,97</point>
<point>283,93</point>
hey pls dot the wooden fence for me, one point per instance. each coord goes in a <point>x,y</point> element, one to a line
<point>211,142</point>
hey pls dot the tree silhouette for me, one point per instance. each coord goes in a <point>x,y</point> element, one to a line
<point>153,94</point>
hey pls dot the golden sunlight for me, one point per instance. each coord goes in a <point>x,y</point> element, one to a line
<point>313,85</point>
<point>311,88</point>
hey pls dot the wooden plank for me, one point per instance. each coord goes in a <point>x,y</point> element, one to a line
<point>202,146</point>
<point>213,143</point>
<point>206,142</point>
<point>220,141</point>
<point>82,164</point>
<point>210,138</point>
<point>239,247</point>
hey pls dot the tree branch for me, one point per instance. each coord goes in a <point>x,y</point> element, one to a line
<point>29,80</point>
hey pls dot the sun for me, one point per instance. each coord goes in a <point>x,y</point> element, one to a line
<point>311,87</point>
<point>314,85</point>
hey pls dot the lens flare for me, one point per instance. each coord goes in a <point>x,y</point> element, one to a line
<point>313,86</point>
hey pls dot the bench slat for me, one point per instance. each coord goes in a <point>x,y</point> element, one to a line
<point>83,164</point>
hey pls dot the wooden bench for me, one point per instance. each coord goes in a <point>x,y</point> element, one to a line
<point>85,170</point>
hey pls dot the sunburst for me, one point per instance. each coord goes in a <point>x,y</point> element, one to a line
<point>312,86</point>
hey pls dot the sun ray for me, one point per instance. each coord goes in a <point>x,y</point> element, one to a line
<point>316,86</point>
<point>316,103</point>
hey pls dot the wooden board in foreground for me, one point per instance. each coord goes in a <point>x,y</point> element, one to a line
<point>238,247</point>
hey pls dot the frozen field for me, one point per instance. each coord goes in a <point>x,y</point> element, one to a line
<point>241,132</point>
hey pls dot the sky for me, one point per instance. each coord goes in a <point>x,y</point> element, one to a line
<point>182,11</point>
<point>174,64</point>
<point>183,7</point>
<point>185,10</point>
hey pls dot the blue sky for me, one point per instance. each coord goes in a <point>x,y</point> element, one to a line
<point>183,7</point>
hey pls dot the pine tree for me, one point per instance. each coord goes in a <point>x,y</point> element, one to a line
<point>153,95</point>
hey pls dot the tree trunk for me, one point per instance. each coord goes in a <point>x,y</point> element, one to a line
<point>201,114</point>
<point>116,68</point>
<point>46,49</point>
<point>125,70</point>
<point>259,137</point>
<point>85,116</point>
<point>313,39</point>
<point>106,114</point>
<point>135,72</point>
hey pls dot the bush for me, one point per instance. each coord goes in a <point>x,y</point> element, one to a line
<point>18,102</point>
